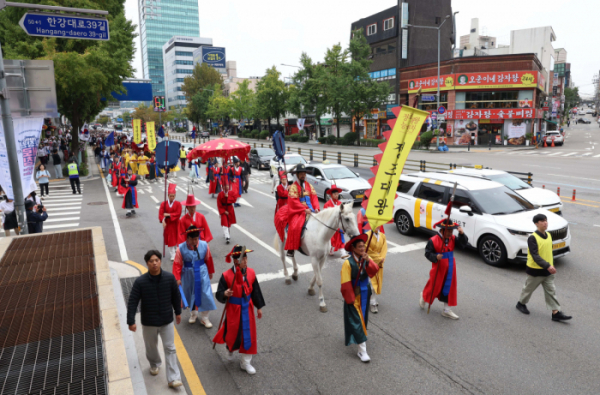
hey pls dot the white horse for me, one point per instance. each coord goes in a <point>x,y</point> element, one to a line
<point>316,243</point>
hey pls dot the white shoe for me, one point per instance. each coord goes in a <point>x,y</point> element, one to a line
<point>206,323</point>
<point>175,384</point>
<point>172,258</point>
<point>230,356</point>
<point>374,309</point>
<point>449,314</point>
<point>247,367</point>
<point>154,371</point>
<point>193,317</point>
<point>362,352</point>
<point>422,302</point>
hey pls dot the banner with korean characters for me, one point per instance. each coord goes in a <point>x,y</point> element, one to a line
<point>507,79</point>
<point>429,84</point>
<point>518,113</point>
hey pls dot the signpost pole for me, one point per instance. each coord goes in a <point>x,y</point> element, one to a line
<point>437,139</point>
<point>13,159</point>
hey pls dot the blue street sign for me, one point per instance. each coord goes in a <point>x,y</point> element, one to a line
<point>442,109</point>
<point>428,98</point>
<point>62,26</point>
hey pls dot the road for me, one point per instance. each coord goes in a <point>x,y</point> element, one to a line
<point>492,349</point>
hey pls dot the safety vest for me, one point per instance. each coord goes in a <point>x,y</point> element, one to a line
<point>72,169</point>
<point>544,250</point>
<point>182,154</point>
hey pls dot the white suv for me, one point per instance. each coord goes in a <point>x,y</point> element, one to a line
<point>496,220</point>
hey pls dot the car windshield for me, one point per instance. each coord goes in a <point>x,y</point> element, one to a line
<point>294,160</point>
<point>510,181</point>
<point>500,201</point>
<point>265,152</point>
<point>338,173</point>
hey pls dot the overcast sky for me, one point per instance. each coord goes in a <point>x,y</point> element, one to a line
<point>262,33</point>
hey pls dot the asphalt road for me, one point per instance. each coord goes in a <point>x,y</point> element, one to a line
<point>492,349</point>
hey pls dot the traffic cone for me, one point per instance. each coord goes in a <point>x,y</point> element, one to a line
<point>552,142</point>
<point>545,145</point>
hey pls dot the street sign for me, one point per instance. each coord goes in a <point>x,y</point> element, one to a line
<point>442,109</point>
<point>441,118</point>
<point>65,26</point>
<point>159,104</point>
<point>31,88</point>
<point>428,98</point>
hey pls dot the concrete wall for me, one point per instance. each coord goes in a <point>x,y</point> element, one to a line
<point>538,41</point>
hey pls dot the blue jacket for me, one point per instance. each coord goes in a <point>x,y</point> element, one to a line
<point>34,221</point>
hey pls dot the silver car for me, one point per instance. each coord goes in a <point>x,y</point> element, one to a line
<point>322,176</point>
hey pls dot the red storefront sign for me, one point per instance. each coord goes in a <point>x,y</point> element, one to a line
<point>507,79</point>
<point>517,113</point>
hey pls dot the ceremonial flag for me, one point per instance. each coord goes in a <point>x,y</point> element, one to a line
<point>194,133</point>
<point>137,131</point>
<point>110,140</point>
<point>151,135</point>
<point>405,129</point>
<point>279,145</point>
<point>161,132</point>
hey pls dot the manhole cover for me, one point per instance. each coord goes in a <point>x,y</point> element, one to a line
<point>97,203</point>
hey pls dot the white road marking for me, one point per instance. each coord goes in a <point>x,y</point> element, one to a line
<point>52,204</point>
<point>141,192</point>
<point>51,219</point>
<point>62,198</point>
<point>571,154</point>
<point>587,154</point>
<point>245,202</point>
<point>596,156</point>
<point>155,199</point>
<point>262,193</point>
<point>580,178</point>
<point>118,233</point>
<point>53,212</point>
<point>555,153</point>
<point>597,226</point>
<point>60,226</point>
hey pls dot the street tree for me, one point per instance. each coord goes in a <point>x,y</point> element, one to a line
<point>572,98</point>
<point>271,96</point>
<point>103,120</point>
<point>336,81</point>
<point>203,76</point>
<point>242,101</point>
<point>197,108</point>
<point>307,95</point>
<point>219,106</point>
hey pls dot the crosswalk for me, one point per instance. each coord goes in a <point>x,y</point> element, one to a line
<point>552,153</point>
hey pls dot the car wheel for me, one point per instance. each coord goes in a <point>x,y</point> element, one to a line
<point>326,196</point>
<point>492,251</point>
<point>404,223</point>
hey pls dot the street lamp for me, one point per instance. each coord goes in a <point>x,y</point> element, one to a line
<point>437,140</point>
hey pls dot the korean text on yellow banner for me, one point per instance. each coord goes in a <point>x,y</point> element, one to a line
<point>380,206</point>
<point>151,135</point>
<point>137,131</point>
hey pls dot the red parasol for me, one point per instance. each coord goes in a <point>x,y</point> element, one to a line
<point>221,148</point>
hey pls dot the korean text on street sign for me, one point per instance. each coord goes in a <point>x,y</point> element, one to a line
<point>159,104</point>
<point>62,26</point>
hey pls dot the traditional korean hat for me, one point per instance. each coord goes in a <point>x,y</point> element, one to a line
<point>192,231</point>
<point>446,224</point>
<point>298,169</point>
<point>235,253</point>
<point>350,244</point>
<point>190,201</point>
<point>334,188</point>
<point>172,190</point>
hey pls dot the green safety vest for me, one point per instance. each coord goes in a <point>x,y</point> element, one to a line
<point>72,169</point>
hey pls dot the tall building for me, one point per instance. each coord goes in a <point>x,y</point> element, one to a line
<point>178,63</point>
<point>159,22</point>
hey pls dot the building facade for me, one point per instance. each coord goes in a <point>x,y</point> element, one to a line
<point>178,63</point>
<point>159,22</point>
<point>215,57</point>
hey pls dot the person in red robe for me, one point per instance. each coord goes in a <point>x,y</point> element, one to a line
<point>442,276</point>
<point>122,174</point>
<point>363,222</point>
<point>214,178</point>
<point>225,202</point>
<point>130,199</point>
<point>337,241</point>
<point>236,179</point>
<point>282,192</point>
<point>302,200</point>
<point>240,291</point>
<point>169,214</point>
<point>193,218</point>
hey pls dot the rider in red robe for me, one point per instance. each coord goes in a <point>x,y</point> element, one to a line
<point>338,240</point>
<point>225,202</point>
<point>169,214</point>
<point>239,290</point>
<point>193,218</point>
<point>302,199</point>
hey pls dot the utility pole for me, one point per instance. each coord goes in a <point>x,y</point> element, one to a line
<point>398,52</point>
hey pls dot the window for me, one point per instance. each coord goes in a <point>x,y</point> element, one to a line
<point>462,199</point>
<point>404,186</point>
<point>431,192</point>
<point>184,62</point>
<point>371,29</point>
<point>388,24</point>
<point>182,53</point>
<point>317,174</point>
<point>438,20</point>
<point>487,100</point>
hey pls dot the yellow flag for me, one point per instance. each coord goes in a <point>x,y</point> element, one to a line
<point>380,207</point>
<point>137,131</point>
<point>151,135</point>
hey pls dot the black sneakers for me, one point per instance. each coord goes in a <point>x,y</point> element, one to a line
<point>560,317</point>
<point>522,308</point>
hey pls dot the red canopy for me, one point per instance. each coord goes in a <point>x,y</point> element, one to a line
<point>221,148</point>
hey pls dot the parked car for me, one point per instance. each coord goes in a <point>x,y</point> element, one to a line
<point>260,157</point>
<point>496,220</point>
<point>322,176</point>
<point>556,135</point>
<point>584,120</point>
<point>291,160</point>
<point>589,111</point>
<point>204,134</point>
<point>543,198</point>
<point>581,112</point>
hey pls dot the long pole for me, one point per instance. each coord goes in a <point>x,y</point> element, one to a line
<point>166,163</point>
<point>13,159</point>
<point>437,140</point>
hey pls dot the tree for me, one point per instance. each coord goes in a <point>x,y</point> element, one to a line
<point>336,81</point>
<point>572,98</point>
<point>203,76</point>
<point>147,114</point>
<point>103,120</point>
<point>86,71</point>
<point>271,96</point>
<point>363,93</point>
<point>242,101</point>
<point>219,106</point>
<point>197,108</point>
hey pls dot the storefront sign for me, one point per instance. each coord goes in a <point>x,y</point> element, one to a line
<point>525,103</point>
<point>464,130</point>
<point>512,79</point>
<point>492,114</point>
<point>541,81</point>
<point>515,130</point>
<point>429,84</point>
<point>428,98</point>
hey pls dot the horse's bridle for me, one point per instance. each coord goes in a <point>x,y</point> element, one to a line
<point>329,227</point>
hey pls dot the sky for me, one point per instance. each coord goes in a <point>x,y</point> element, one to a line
<point>261,33</point>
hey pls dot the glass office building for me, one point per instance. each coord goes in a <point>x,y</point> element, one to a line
<point>160,20</point>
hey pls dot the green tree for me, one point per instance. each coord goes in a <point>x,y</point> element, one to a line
<point>197,108</point>
<point>242,101</point>
<point>219,106</point>
<point>203,76</point>
<point>271,96</point>
<point>572,98</point>
<point>336,82</point>
<point>86,71</point>
<point>103,120</point>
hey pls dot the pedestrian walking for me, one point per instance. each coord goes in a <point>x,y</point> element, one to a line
<point>130,199</point>
<point>35,216</point>
<point>169,214</point>
<point>9,216</point>
<point>42,154</point>
<point>74,176</point>
<point>194,268</point>
<point>57,162</point>
<point>225,205</point>
<point>43,177</point>
<point>182,156</point>
<point>194,170</point>
<point>159,294</point>
<point>192,217</point>
<point>568,122</point>
<point>240,291</point>
<point>378,252</point>
<point>246,172</point>
<point>540,270</point>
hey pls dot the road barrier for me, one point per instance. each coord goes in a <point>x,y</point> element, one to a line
<point>558,191</point>
<point>573,195</point>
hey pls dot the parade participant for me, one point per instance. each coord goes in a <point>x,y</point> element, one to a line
<point>182,156</point>
<point>541,270</point>
<point>237,183</point>
<point>169,214</point>
<point>282,192</point>
<point>133,162</point>
<point>130,199</point>
<point>442,277</point>
<point>226,209</point>
<point>377,251</point>
<point>122,175</point>
<point>240,291</point>
<point>337,241</point>
<point>356,292</point>
<point>104,158</point>
<point>193,268</point>
<point>302,200</point>
<point>214,177</point>
<point>362,221</point>
<point>142,164</point>
<point>195,170</point>
<point>193,218</point>
<point>152,168</point>
<point>246,171</point>
<point>9,216</point>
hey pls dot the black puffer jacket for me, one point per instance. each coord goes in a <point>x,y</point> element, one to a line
<point>159,296</point>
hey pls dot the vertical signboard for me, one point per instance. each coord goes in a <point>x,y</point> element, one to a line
<point>137,131</point>
<point>151,135</point>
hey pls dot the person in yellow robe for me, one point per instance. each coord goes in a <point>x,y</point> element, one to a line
<point>133,161</point>
<point>377,252</point>
<point>126,157</point>
<point>142,166</point>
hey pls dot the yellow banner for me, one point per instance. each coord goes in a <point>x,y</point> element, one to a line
<point>137,131</point>
<point>151,135</point>
<point>380,208</point>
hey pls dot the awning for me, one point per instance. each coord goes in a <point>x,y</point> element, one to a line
<point>549,121</point>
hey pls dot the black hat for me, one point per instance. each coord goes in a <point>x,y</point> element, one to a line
<point>298,169</point>
<point>235,253</point>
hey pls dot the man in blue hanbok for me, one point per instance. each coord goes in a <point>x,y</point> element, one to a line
<point>193,268</point>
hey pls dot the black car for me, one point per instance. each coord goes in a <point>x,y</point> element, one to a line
<point>260,157</point>
<point>583,120</point>
<point>204,134</point>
